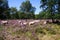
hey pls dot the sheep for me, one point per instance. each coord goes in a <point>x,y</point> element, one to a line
<point>42,22</point>
<point>25,23</point>
<point>49,21</point>
<point>36,21</point>
<point>45,22</point>
<point>19,21</point>
<point>22,23</point>
<point>31,23</point>
<point>4,22</point>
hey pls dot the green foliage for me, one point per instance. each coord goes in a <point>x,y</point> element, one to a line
<point>57,16</point>
<point>36,16</point>
<point>4,13</point>
<point>51,10</point>
<point>45,31</point>
<point>29,34</point>
<point>40,30</point>
<point>1,28</point>
<point>27,8</point>
<point>43,15</point>
<point>21,15</point>
<point>52,6</point>
<point>14,13</point>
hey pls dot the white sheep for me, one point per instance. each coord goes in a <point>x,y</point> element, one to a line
<point>45,22</point>
<point>37,21</point>
<point>25,23</point>
<point>31,23</point>
<point>19,21</point>
<point>4,22</point>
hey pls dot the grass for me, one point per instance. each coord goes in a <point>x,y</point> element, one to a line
<point>1,28</point>
<point>42,32</point>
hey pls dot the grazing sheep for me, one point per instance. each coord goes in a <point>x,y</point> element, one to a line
<point>22,23</point>
<point>4,22</point>
<point>25,23</point>
<point>19,21</point>
<point>31,23</point>
<point>45,22</point>
<point>37,20</point>
<point>42,22</point>
<point>49,21</point>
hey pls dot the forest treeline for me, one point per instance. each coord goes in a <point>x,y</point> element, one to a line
<point>51,10</point>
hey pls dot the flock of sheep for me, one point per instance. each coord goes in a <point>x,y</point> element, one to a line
<point>22,22</point>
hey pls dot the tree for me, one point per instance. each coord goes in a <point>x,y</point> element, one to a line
<point>57,16</point>
<point>27,8</point>
<point>49,5</point>
<point>4,13</point>
<point>45,15</point>
<point>58,6</point>
<point>21,15</point>
<point>37,16</point>
<point>14,13</point>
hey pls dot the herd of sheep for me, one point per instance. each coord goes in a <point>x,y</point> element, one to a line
<point>23,22</point>
<point>20,22</point>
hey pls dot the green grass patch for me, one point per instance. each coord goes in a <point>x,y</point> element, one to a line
<point>1,28</point>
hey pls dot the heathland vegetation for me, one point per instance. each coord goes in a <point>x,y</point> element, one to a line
<point>24,24</point>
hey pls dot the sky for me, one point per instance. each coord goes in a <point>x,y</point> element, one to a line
<point>17,3</point>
